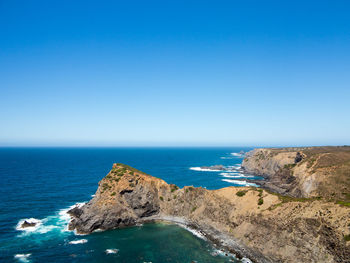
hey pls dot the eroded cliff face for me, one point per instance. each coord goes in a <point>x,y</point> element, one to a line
<point>267,162</point>
<point>248,221</point>
<point>303,172</point>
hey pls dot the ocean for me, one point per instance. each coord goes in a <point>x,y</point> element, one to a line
<point>40,184</point>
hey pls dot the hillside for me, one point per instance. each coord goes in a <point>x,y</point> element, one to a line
<point>304,172</point>
<point>250,222</point>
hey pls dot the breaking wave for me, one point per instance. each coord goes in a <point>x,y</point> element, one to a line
<point>235,175</point>
<point>204,169</point>
<point>239,182</point>
<point>194,232</point>
<point>58,222</point>
<point>111,251</point>
<point>79,241</point>
<point>237,154</point>
<point>22,257</point>
<point>35,221</point>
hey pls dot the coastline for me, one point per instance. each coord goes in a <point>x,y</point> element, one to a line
<point>238,219</point>
<point>218,239</point>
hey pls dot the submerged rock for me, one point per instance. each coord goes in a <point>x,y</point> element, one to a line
<point>26,224</point>
<point>214,167</point>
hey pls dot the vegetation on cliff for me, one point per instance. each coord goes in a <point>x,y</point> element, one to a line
<point>262,225</point>
<point>304,172</point>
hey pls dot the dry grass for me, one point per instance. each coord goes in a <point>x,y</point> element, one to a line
<point>332,162</point>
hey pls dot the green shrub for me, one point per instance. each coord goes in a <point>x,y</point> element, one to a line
<point>260,201</point>
<point>344,203</point>
<point>105,186</point>
<point>241,193</point>
<point>290,166</point>
<point>193,209</point>
<point>109,177</point>
<point>124,168</point>
<point>174,188</point>
<point>347,238</point>
<point>114,193</point>
<point>161,198</point>
<point>131,185</point>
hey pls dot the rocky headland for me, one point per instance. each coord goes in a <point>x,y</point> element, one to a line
<point>304,171</point>
<point>302,225</point>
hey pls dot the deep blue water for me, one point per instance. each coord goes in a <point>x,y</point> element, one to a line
<point>42,182</point>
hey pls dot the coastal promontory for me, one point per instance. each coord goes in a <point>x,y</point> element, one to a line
<point>291,224</point>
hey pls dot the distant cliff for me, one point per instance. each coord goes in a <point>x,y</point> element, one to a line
<point>251,222</point>
<point>303,172</point>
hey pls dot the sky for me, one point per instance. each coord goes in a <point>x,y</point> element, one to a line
<point>174,73</point>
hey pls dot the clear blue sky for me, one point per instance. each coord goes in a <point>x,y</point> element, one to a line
<point>136,73</point>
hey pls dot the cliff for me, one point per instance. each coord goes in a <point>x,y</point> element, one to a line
<point>250,222</point>
<point>303,172</point>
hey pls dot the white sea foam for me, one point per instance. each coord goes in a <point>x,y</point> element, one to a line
<point>59,221</point>
<point>182,223</point>
<point>218,252</point>
<point>37,222</point>
<point>65,218</point>
<point>204,169</point>
<point>231,173</point>
<point>235,175</point>
<point>246,260</point>
<point>112,251</point>
<point>234,168</point>
<point>237,154</point>
<point>227,157</point>
<point>245,183</point>
<point>194,232</point>
<point>22,257</point>
<point>79,241</point>
<point>41,226</point>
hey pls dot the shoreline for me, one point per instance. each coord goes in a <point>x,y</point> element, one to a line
<point>245,221</point>
<point>220,241</point>
<point>216,238</point>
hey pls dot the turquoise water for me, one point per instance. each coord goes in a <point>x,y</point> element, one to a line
<point>42,183</point>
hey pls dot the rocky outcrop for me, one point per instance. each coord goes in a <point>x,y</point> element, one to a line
<point>271,164</point>
<point>267,162</point>
<point>304,171</point>
<point>250,222</point>
<point>26,224</point>
<point>215,167</point>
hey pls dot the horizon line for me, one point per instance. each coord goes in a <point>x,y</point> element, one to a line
<point>171,146</point>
